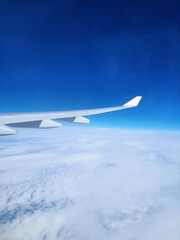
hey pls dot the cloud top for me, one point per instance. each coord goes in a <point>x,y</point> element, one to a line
<point>85,183</point>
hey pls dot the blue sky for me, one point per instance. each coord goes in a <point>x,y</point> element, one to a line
<point>82,54</point>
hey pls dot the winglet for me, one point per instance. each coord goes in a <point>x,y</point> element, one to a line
<point>134,102</point>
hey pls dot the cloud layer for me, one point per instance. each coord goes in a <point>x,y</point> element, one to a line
<point>85,183</point>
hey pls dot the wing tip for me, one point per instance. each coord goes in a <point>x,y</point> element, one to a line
<point>133,102</point>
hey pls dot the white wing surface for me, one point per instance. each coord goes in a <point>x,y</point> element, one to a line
<point>44,119</point>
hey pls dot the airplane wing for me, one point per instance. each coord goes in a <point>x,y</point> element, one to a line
<point>44,119</point>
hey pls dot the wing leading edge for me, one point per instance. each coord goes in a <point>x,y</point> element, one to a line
<point>44,119</point>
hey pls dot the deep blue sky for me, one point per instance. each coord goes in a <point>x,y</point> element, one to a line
<point>82,54</point>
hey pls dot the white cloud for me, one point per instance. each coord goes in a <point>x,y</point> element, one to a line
<point>85,183</point>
